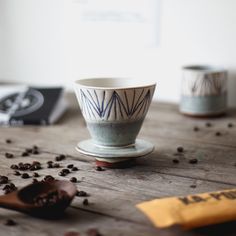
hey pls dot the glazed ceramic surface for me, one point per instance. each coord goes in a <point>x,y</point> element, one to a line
<point>204,91</point>
<point>114,109</point>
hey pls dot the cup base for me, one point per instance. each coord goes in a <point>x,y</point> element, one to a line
<point>115,154</point>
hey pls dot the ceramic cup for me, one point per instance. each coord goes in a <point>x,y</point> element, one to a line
<point>204,91</point>
<point>114,109</point>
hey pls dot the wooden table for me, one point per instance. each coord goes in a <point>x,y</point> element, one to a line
<point>115,192</point>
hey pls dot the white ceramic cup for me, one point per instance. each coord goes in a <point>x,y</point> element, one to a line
<point>114,108</point>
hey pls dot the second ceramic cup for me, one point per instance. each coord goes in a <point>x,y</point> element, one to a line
<point>204,91</point>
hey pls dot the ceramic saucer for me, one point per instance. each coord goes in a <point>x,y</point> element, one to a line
<point>115,154</point>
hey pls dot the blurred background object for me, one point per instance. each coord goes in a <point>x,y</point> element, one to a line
<point>44,41</point>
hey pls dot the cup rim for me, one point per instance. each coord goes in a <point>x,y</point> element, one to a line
<point>79,82</point>
<point>203,68</point>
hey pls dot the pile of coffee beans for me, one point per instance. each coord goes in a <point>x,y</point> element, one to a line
<point>8,188</point>
<point>51,198</point>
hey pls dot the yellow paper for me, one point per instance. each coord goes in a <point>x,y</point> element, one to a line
<point>193,210</point>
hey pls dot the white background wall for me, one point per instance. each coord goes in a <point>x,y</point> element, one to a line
<point>40,44</point>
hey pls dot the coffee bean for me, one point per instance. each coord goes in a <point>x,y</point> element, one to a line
<point>24,154</point>
<point>35,174</point>
<point>56,165</point>
<point>60,157</point>
<point>50,162</point>
<point>61,173</point>
<point>99,168</point>
<point>74,168</point>
<point>70,166</point>
<point>25,176</point>
<point>180,149</point>
<point>193,161</point>
<point>195,129</point>
<point>35,152</point>
<point>3,179</point>
<point>218,134</point>
<point>17,173</point>
<point>14,167</point>
<point>73,180</point>
<point>85,202</point>
<point>35,147</point>
<point>35,181</point>
<point>10,222</point>
<point>176,161</point>
<point>208,124</point>
<point>230,125</point>
<point>81,194</point>
<point>50,166</point>
<point>193,186</point>
<point>29,150</point>
<point>8,141</point>
<point>9,155</point>
<point>66,171</point>
<point>48,178</point>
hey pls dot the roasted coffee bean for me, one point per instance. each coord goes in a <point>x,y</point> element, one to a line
<point>8,141</point>
<point>61,173</point>
<point>193,161</point>
<point>3,179</point>
<point>35,152</point>
<point>35,147</point>
<point>73,180</point>
<point>60,157</point>
<point>74,168</point>
<point>66,171</point>
<point>70,166</point>
<point>85,202</point>
<point>48,178</point>
<point>50,165</point>
<point>218,134</point>
<point>180,149</point>
<point>36,163</point>
<point>14,167</point>
<point>193,186</point>
<point>81,194</point>
<point>17,173</point>
<point>24,154</point>
<point>195,129</point>
<point>56,165</point>
<point>208,124</point>
<point>9,188</point>
<point>9,155</point>
<point>10,222</point>
<point>25,176</point>
<point>176,161</point>
<point>29,150</point>
<point>230,125</point>
<point>35,174</point>
<point>49,162</point>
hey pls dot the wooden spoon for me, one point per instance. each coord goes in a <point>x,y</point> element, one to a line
<point>44,199</point>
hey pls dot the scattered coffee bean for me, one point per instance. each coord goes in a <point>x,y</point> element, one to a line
<point>10,222</point>
<point>180,149</point>
<point>35,181</point>
<point>85,202</point>
<point>25,176</point>
<point>50,165</point>
<point>14,167</point>
<point>48,178</point>
<point>35,174</point>
<point>230,125</point>
<point>195,129</point>
<point>176,161</point>
<point>66,171</point>
<point>61,173</point>
<point>35,152</point>
<point>193,186</point>
<point>81,194</point>
<point>50,162</point>
<point>24,154</point>
<point>74,168</point>
<point>9,155</point>
<point>8,141</point>
<point>9,188</point>
<point>99,168</point>
<point>70,166</point>
<point>73,180</point>
<point>56,165</point>
<point>3,179</point>
<point>60,157</point>
<point>208,124</point>
<point>29,150</point>
<point>17,173</point>
<point>193,161</point>
<point>218,134</point>
<point>35,147</point>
